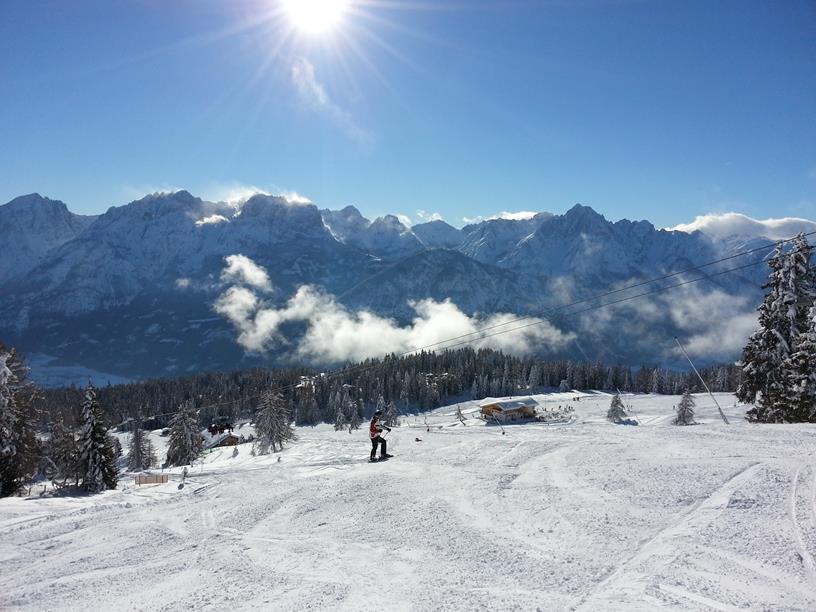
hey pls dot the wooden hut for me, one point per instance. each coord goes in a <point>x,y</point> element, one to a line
<point>509,409</point>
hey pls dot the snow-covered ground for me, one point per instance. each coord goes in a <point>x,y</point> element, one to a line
<point>585,516</point>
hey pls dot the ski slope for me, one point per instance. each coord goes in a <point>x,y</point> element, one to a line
<point>583,516</point>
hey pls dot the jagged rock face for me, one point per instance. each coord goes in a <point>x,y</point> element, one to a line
<point>132,291</point>
<point>30,227</point>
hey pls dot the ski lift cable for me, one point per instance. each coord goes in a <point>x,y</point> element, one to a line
<point>366,366</point>
<point>480,335</point>
<point>620,290</point>
<point>606,304</point>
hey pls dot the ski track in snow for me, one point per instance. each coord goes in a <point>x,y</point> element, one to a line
<point>582,516</point>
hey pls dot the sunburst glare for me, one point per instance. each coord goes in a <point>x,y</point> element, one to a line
<point>315,16</point>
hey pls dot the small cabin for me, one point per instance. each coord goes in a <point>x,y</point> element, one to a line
<point>219,440</point>
<point>509,410</point>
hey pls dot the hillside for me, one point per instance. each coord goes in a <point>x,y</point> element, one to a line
<point>585,516</point>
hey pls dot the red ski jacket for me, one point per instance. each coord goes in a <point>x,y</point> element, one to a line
<point>375,429</point>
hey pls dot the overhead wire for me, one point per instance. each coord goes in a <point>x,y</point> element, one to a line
<point>540,318</point>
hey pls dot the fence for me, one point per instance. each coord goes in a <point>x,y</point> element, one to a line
<point>143,479</point>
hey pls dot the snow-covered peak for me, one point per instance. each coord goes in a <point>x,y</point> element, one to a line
<point>345,224</point>
<point>30,227</point>
<point>438,234</point>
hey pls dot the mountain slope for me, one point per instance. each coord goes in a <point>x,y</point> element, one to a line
<point>30,227</point>
<point>132,291</point>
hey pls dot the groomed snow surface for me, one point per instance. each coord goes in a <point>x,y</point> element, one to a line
<point>583,516</point>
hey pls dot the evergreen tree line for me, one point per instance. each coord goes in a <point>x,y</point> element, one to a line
<point>393,384</point>
<point>779,361</point>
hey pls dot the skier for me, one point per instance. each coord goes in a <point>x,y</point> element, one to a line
<point>374,430</point>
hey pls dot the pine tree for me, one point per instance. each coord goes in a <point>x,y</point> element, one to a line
<point>186,443</point>
<point>272,423</point>
<point>97,461</point>
<point>19,448</point>
<point>391,415</point>
<point>657,386</point>
<point>800,371</point>
<point>339,417</point>
<point>768,363</point>
<point>617,412</point>
<point>685,410</point>
<point>140,452</point>
<point>352,412</point>
<point>265,422</point>
<point>64,453</point>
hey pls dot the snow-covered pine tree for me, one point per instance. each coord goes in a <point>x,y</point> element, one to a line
<point>19,448</point>
<point>185,443</point>
<point>658,383</point>
<point>353,411</point>
<point>339,414</point>
<point>390,414</point>
<point>766,350</point>
<point>283,430</point>
<point>800,370</point>
<point>616,412</point>
<point>272,423</point>
<point>767,358</point>
<point>265,422</point>
<point>97,461</point>
<point>64,453</point>
<point>685,410</point>
<point>140,451</point>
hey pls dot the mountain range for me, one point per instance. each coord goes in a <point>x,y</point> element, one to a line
<point>131,292</point>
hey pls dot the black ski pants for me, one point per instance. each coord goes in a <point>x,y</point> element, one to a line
<point>378,440</point>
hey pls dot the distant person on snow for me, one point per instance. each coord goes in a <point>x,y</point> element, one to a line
<point>374,430</point>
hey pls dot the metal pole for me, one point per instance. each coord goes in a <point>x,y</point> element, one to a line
<point>722,414</point>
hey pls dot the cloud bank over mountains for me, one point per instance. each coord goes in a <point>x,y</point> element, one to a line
<point>336,334</point>
<point>729,224</point>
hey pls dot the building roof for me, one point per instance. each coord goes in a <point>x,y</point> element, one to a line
<point>211,441</point>
<point>514,403</point>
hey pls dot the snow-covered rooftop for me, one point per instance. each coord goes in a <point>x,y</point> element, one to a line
<point>509,403</point>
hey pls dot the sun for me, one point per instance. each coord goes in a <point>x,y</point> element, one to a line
<point>315,16</point>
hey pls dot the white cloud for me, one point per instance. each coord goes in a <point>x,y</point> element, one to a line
<point>425,217</point>
<point>405,220</point>
<point>212,220</point>
<point>234,193</point>
<point>713,325</point>
<point>242,270</point>
<point>314,96</point>
<point>294,197</point>
<point>736,224</point>
<point>137,192</point>
<point>522,215</point>
<point>335,334</point>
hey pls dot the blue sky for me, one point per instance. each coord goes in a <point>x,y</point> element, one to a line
<point>640,109</point>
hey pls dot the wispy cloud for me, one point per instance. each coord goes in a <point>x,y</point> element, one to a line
<point>425,216</point>
<point>314,96</point>
<point>522,215</point>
